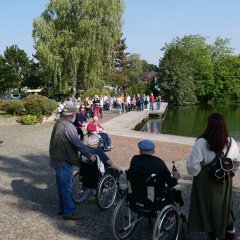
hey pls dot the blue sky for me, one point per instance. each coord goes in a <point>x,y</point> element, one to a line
<point>148,24</point>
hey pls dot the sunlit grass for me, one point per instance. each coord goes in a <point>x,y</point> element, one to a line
<point>5,115</point>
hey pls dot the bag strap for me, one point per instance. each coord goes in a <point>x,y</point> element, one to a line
<point>228,147</point>
<point>225,155</point>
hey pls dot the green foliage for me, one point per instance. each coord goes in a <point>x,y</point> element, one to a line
<point>193,71</point>
<point>13,107</point>
<point>137,87</point>
<point>29,119</point>
<point>33,96</point>
<point>75,41</point>
<point>14,68</point>
<point>40,106</point>
<point>48,106</point>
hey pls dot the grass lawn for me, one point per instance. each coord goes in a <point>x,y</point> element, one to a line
<point>5,115</point>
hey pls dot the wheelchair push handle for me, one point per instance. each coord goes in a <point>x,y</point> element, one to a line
<point>150,177</point>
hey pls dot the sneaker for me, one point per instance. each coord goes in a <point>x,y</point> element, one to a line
<point>74,216</point>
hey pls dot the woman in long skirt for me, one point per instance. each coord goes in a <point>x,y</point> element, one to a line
<point>211,201</point>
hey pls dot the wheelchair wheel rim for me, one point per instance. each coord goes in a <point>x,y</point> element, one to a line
<point>167,226</point>
<point>79,192</point>
<point>106,192</point>
<point>124,221</point>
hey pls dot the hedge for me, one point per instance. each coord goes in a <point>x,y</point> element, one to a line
<point>40,106</point>
<point>13,107</point>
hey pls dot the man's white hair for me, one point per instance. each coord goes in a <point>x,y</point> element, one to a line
<point>95,118</point>
<point>93,139</point>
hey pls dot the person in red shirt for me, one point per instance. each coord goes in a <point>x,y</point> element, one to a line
<point>151,102</point>
<point>95,127</point>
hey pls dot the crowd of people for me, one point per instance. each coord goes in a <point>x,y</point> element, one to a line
<point>211,208</point>
<point>123,102</point>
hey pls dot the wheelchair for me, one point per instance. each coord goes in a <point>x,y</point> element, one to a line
<point>143,201</point>
<point>89,177</point>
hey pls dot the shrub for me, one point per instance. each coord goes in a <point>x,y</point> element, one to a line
<point>29,119</point>
<point>14,107</point>
<point>33,107</point>
<point>48,106</point>
<point>42,106</point>
<point>34,96</point>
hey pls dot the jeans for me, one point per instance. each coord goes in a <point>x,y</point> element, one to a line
<point>119,108</point>
<point>106,141</point>
<point>151,106</point>
<point>64,189</point>
<point>141,107</point>
<point>158,105</point>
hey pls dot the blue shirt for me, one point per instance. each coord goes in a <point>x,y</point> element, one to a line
<point>102,155</point>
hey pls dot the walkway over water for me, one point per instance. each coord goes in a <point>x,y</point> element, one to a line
<point>124,126</point>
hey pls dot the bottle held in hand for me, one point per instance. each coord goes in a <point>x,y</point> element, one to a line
<point>175,172</point>
<point>173,167</point>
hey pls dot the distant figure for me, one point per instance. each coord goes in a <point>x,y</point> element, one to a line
<point>95,127</point>
<point>151,102</point>
<point>158,99</point>
<point>80,121</point>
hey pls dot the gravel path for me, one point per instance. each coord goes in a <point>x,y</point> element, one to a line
<point>28,194</point>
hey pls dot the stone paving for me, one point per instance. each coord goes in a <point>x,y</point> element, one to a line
<point>28,203</point>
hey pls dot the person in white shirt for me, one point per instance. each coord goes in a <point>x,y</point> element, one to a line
<point>211,201</point>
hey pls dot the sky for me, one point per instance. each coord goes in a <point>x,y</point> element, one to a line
<point>148,24</point>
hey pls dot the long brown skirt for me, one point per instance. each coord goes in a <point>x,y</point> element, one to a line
<point>211,205</point>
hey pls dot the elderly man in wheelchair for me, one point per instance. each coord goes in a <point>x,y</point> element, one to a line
<point>100,176</point>
<point>147,197</point>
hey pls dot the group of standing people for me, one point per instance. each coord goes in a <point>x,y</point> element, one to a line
<point>125,103</point>
<point>211,208</point>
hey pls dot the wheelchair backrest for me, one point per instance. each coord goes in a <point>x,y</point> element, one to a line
<point>90,174</point>
<point>142,190</point>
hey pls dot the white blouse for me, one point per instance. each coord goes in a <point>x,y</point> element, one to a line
<point>201,154</point>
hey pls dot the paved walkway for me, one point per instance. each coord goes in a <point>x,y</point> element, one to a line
<point>124,126</point>
<point>28,193</point>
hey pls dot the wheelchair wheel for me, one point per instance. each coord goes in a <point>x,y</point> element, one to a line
<point>106,191</point>
<point>124,221</point>
<point>167,224</point>
<point>79,192</point>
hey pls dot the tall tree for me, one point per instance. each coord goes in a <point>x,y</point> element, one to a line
<point>75,41</point>
<point>187,63</point>
<point>16,67</point>
<point>118,77</point>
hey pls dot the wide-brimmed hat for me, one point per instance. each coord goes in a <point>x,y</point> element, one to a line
<point>146,145</point>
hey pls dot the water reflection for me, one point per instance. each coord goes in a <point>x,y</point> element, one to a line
<point>191,121</point>
<point>153,126</point>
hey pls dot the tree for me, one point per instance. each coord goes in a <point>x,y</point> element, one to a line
<point>227,79</point>
<point>186,70</point>
<point>75,41</point>
<point>34,79</point>
<point>226,70</point>
<point>118,77</point>
<point>15,68</point>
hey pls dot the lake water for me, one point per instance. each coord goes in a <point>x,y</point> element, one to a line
<point>191,121</point>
